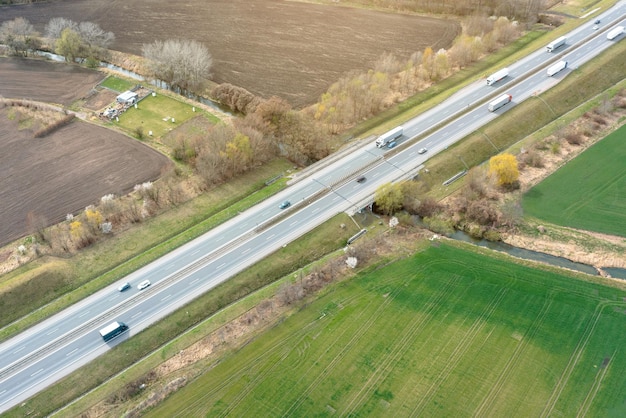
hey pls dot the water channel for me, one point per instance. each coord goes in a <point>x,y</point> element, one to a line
<point>615,272</point>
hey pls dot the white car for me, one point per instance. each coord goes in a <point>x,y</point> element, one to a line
<point>422,151</point>
<point>143,284</point>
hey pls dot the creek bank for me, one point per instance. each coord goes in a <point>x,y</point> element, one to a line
<point>526,254</point>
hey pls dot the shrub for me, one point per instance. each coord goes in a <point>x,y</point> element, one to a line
<point>574,138</point>
<point>48,129</point>
<point>532,158</point>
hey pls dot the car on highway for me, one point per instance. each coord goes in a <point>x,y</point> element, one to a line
<point>422,151</point>
<point>392,144</point>
<point>284,205</point>
<point>143,284</point>
<point>123,287</point>
<point>360,179</point>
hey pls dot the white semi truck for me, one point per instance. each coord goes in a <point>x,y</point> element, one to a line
<point>615,32</point>
<point>556,43</point>
<point>113,330</point>
<point>497,76</point>
<point>385,138</point>
<point>559,66</point>
<point>499,102</point>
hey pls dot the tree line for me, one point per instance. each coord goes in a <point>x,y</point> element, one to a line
<point>524,10</point>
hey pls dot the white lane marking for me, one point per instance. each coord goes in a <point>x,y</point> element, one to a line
<point>53,331</point>
<point>137,314</point>
<point>83,314</point>
<point>222,265</point>
<point>293,223</point>
<point>37,372</point>
<point>19,349</point>
<point>194,280</point>
<point>71,352</point>
<point>166,298</point>
<point>2,392</point>
<point>335,198</point>
<point>413,153</point>
<point>315,210</point>
<point>246,251</point>
<point>195,252</point>
<point>270,237</point>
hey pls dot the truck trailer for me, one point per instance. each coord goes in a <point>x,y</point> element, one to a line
<point>497,76</point>
<point>113,330</point>
<point>559,66</point>
<point>385,138</point>
<point>615,32</point>
<point>556,43</point>
<point>499,102</point>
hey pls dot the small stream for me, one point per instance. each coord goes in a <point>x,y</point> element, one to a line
<point>615,272</point>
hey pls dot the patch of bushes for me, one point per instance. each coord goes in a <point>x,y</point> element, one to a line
<point>51,127</point>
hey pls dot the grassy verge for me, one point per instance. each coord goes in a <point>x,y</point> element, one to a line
<point>446,332</point>
<point>301,252</point>
<point>600,75</point>
<point>108,261</point>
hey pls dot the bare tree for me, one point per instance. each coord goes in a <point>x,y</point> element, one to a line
<point>183,64</point>
<point>19,35</point>
<point>83,41</point>
<point>94,36</point>
<point>56,25</point>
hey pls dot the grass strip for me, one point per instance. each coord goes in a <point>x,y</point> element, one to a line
<point>123,253</point>
<point>297,254</point>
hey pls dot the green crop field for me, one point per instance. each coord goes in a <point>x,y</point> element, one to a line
<point>587,193</point>
<point>447,332</point>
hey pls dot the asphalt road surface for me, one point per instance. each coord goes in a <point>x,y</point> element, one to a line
<point>52,349</point>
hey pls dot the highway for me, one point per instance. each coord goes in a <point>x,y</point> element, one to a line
<point>59,345</point>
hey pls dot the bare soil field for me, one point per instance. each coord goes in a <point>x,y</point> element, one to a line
<point>290,49</point>
<point>65,171</point>
<point>46,81</point>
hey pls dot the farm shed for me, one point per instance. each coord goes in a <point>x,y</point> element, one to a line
<point>128,97</point>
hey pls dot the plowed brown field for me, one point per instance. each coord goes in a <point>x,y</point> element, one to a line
<point>65,171</point>
<point>69,169</point>
<point>294,50</point>
<point>44,81</point>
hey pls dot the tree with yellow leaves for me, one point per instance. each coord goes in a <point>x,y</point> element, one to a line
<point>504,168</point>
<point>93,218</point>
<point>389,197</point>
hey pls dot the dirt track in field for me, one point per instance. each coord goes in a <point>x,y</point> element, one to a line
<point>289,49</point>
<point>65,171</point>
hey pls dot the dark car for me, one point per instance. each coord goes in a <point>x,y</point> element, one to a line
<point>123,287</point>
<point>360,179</point>
<point>391,144</point>
<point>285,204</point>
<point>597,22</point>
